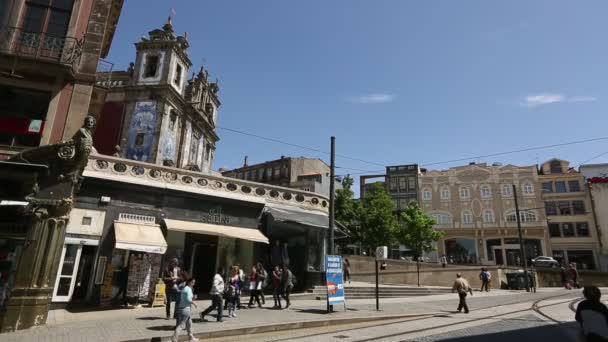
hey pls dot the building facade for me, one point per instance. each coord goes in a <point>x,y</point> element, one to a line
<point>49,54</point>
<point>301,173</point>
<point>402,184</point>
<point>596,176</point>
<point>474,206</point>
<point>154,113</point>
<point>569,212</point>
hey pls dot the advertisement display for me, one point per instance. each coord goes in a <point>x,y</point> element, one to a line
<point>334,279</point>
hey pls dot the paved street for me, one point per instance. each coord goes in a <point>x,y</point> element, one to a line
<point>494,312</point>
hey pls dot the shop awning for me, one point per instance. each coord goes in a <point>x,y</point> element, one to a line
<point>140,237</point>
<point>217,230</point>
<point>304,217</point>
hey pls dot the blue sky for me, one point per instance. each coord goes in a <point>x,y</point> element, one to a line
<point>395,81</point>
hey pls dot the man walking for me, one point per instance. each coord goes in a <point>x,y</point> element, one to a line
<point>287,282</point>
<point>462,286</point>
<point>171,277</point>
<point>485,277</point>
<point>184,314</point>
<point>444,261</point>
<point>217,289</point>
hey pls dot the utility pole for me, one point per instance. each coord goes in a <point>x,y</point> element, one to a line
<point>522,250</point>
<point>332,195</point>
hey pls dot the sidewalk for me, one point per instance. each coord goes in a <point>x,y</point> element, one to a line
<point>144,324</point>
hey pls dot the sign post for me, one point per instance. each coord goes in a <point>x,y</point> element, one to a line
<point>334,280</point>
<point>381,254</point>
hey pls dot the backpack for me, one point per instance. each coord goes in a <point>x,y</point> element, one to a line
<point>484,276</point>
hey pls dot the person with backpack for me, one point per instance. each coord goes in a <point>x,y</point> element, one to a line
<point>263,278</point>
<point>287,283</point>
<point>462,286</point>
<point>485,277</point>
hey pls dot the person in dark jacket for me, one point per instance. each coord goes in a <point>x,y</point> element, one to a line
<point>287,283</point>
<point>171,277</point>
<point>276,287</point>
<point>592,315</point>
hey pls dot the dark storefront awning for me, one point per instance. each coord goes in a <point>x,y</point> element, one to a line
<point>140,237</point>
<point>250,234</point>
<point>304,217</point>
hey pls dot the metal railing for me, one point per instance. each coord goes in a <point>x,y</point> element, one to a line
<point>104,72</point>
<point>40,46</point>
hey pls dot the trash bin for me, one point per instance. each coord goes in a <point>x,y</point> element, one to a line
<point>516,280</point>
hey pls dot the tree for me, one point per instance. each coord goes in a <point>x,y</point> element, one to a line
<point>377,220</point>
<point>417,233</point>
<point>347,210</point>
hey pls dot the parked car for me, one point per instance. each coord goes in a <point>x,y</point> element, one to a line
<point>545,261</point>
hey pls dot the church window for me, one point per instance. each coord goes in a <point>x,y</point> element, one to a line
<point>151,66</point>
<point>139,139</point>
<point>178,75</point>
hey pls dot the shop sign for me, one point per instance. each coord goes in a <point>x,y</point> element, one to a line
<point>334,279</point>
<point>215,216</point>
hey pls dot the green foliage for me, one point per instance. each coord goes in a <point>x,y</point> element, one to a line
<point>416,230</point>
<point>378,224</point>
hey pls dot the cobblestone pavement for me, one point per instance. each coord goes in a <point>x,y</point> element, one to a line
<point>145,323</point>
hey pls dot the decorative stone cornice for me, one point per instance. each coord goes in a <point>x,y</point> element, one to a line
<point>135,172</point>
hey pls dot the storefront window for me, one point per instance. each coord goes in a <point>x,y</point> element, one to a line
<point>316,239</point>
<point>489,247</point>
<point>584,259</point>
<point>233,252</point>
<point>558,255</point>
<point>461,251</point>
<point>10,251</point>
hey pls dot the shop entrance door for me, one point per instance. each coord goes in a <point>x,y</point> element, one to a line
<point>66,277</point>
<point>203,266</point>
<point>498,256</point>
<point>84,272</point>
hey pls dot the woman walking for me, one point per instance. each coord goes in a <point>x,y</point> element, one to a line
<point>254,284</point>
<point>276,287</point>
<point>184,314</point>
<point>346,270</point>
<point>233,290</point>
<point>263,280</point>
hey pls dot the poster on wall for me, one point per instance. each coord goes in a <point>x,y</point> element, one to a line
<point>333,279</point>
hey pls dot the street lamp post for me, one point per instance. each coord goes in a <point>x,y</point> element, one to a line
<point>522,250</point>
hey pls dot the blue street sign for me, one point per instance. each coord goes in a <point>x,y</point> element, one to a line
<point>333,279</point>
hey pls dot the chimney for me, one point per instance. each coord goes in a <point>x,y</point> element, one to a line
<point>245,162</point>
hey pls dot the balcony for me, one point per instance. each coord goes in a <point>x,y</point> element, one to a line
<point>40,46</point>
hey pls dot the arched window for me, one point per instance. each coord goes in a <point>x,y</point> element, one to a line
<point>507,190</point>
<point>528,188</point>
<point>488,216</point>
<point>441,218</point>
<point>427,194</point>
<point>445,193</point>
<point>467,217</point>
<point>524,216</point>
<point>464,193</point>
<point>485,191</point>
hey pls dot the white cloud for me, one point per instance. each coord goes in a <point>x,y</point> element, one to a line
<point>536,100</point>
<point>373,98</point>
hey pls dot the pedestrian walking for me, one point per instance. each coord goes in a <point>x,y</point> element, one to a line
<point>485,277</point>
<point>564,277</point>
<point>233,288</point>
<point>346,270</point>
<point>444,261</point>
<point>462,286</point>
<point>592,315</point>
<point>574,275</point>
<point>254,286</point>
<point>263,279</point>
<point>184,313</point>
<point>242,278</point>
<point>276,287</point>
<point>217,289</point>
<point>287,284</point>
<point>171,277</point>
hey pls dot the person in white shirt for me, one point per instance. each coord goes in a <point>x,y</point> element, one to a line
<point>217,290</point>
<point>184,314</point>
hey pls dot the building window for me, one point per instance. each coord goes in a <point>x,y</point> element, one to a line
<point>574,186</point>
<point>47,16</point>
<point>268,173</point>
<point>582,229</point>
<point>578,207</point>
<point>402,203</point>
<point>86,220</point>
<point>178,75</point>
<point>277,172</point>
<point>488,216</point>
<point>284,171</point>
<point>427,195</point>
<point>172,120</point>
<point>441,218</point>
<point>392,183</point>
<point>528,188</point>
<point>445,193</point>
<point>246,175</point>
<point>22,115</point>
<point>402,184</point>
<point>411,183</point>
<point>151,66</point>
<point>547,187</point>
<point>550,208</point>
<point>560,187</point>
<point>584,260</point>
<point>556,166</point>
<point>567,229</point>
<point>260,175</point>
<point>464,193</point>
<point>507,190</point>
<point>485,191</point>
<point>139,139</point>
<point>554,230</point>
<point>467,217</point>
<point>564,208</point>
<point>524,216</point>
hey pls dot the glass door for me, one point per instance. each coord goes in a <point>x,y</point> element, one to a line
<point>68,269</point>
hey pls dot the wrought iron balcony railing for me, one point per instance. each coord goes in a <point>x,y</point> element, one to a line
<point>40,46</point>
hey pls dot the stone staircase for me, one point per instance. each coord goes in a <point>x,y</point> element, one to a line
<point>369,291</point>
